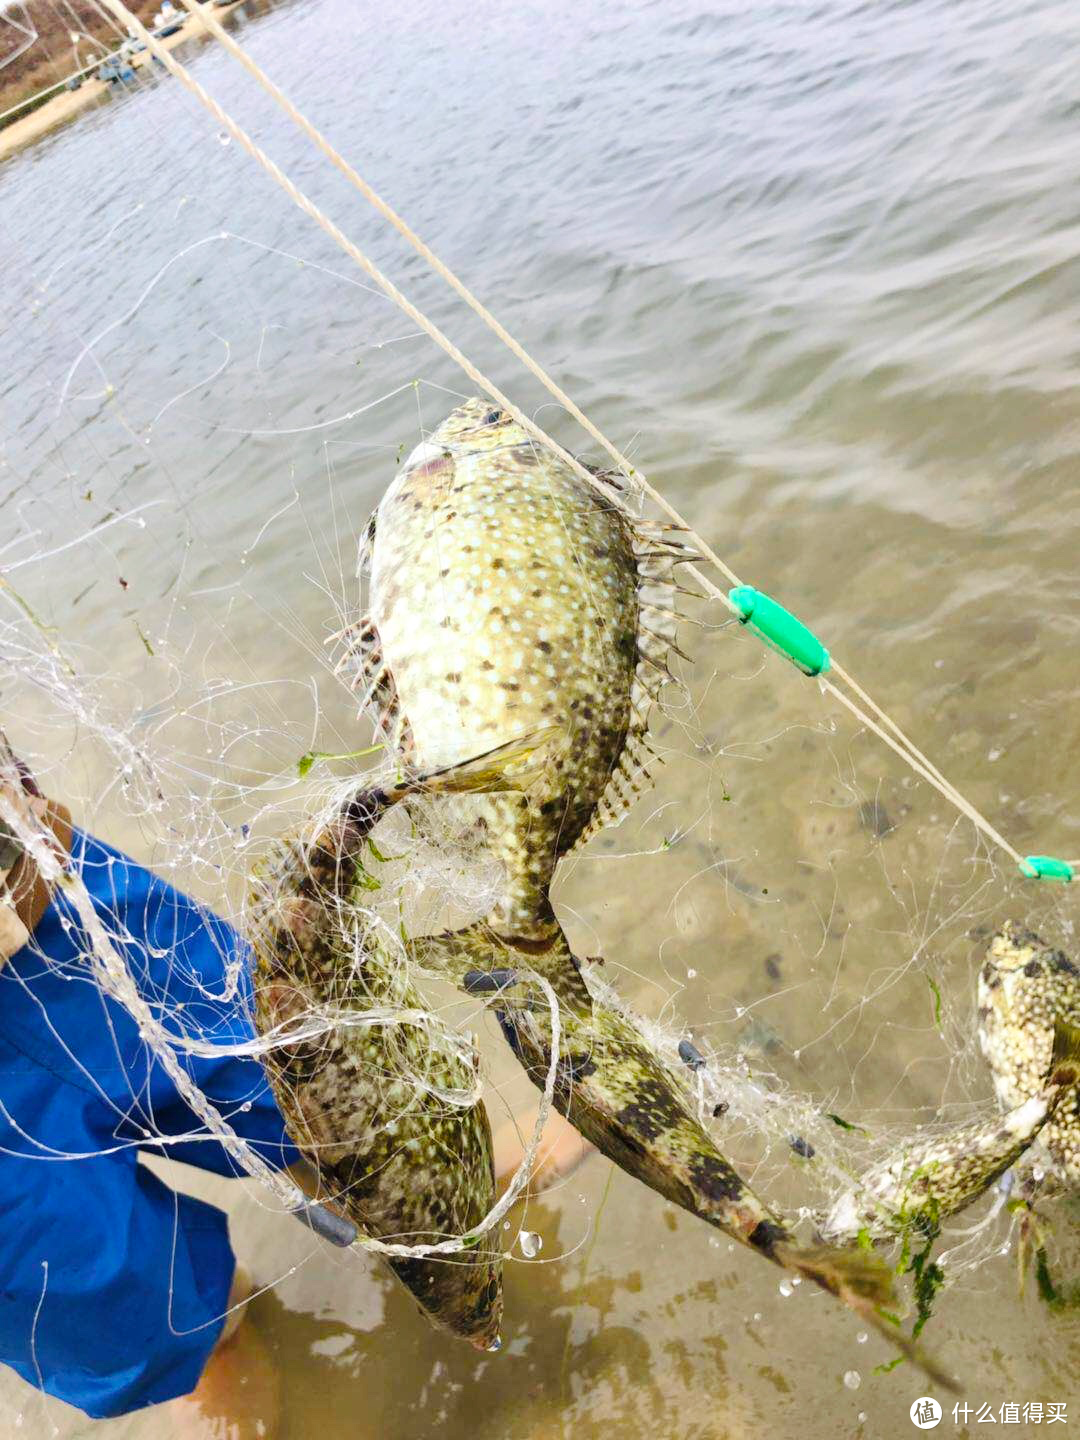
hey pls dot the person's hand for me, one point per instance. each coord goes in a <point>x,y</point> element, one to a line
<point>24,894</point>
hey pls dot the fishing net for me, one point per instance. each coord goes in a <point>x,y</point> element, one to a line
<point>204,407</point>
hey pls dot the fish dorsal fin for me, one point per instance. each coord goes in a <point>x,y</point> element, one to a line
<point>363,664</point>
<point>657,550</point>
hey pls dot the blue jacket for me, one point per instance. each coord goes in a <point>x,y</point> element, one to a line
<point>112,1286</point>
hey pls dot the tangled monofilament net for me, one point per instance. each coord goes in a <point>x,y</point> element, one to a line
<point>206,408</point>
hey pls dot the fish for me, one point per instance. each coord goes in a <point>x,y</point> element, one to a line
<point>377,1094</point>
<point>507,593</point>
<point>1027,991</point>
<point>923,1183</point>
<point>620,1094</point>
<point>1028,1022</point>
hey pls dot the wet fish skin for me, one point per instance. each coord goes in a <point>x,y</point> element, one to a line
<point>507,593</point>
<point>1029,1031</point>
<point>610,1083</point>
<point>402,1163</point>
<point>1026,988</point>
<point>622,1097</point>
<point>617,1092</point>
<point>936,1178</point>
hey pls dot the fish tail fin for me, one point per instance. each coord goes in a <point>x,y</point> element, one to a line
<point>864,1282</point>
<point>1065,1060</point>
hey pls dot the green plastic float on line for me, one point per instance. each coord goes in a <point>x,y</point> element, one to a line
<point>780,630</point>
<point>1046,867</point>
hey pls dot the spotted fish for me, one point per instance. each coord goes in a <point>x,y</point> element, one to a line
<point>1026,989</point>
<point>507,593</point>
<point>615,1089</point>
<point>1029,1030</point>
<point>930,1180</point>
<point>381,1110</point>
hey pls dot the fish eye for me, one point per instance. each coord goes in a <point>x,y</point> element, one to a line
<point>492,417</point>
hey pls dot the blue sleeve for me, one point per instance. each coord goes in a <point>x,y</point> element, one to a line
<point>193,969</point>
<point>112,1287</point>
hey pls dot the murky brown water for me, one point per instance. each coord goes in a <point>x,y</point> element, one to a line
<point>819,265</point>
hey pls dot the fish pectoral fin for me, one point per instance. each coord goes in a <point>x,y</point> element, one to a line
<point>1065,1061</point>
<point>481,775</point>
<point>865,1283</point>
<point>492,771</point>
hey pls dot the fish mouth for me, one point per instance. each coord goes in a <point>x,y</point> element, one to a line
<point>487,1341</point>
<point>483,1331</point>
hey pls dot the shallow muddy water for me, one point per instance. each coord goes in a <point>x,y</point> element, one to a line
<point>819,266</point>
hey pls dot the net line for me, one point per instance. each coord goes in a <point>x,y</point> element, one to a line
<point>883,726</point>
<point>115,979</point>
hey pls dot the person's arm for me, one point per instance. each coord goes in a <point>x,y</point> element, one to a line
<point>24,894</point>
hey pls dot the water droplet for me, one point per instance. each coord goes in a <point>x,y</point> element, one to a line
<point>531,1243</point>
<point>506,1224</point>
<point>861,1338</point>
<point>785,1289</point>
<point>852,1379</point>
<point>224,138</point>
<point>691,974</point>
<point>862,1417</point>
<point>496,1345</point>
<point>757,1314</point>
<point>796,1279</point>
<point>246,1106</point>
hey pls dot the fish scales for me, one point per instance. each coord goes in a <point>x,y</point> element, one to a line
<point>933,1179</point>
<point>621,1095</point>
<point>505,594</point>
<point>1026,987</point>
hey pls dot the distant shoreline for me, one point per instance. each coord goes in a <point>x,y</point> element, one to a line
<point>67,104</point>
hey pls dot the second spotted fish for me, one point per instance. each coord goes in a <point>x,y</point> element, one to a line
<point>1029,1031</point>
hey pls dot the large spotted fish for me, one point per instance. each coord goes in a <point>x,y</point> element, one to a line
<point>507,593</point>
<point>1029,1031</point>
<point>376,1092</point>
